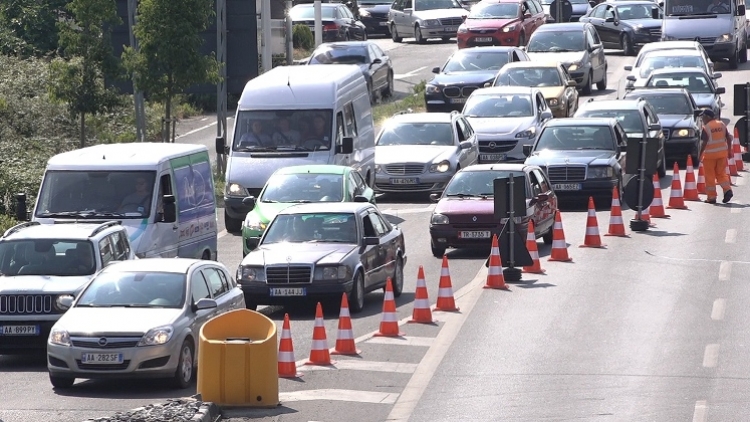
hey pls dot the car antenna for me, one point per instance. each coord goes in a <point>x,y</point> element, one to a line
<point>289,85</point>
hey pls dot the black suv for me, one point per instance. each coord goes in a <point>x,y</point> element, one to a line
<point>679,117</point>
<point>636,116</point>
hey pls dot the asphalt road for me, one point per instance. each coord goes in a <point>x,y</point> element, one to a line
<point>601,337</point>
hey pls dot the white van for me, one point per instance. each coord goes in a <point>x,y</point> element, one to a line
<point>162,193</point>
<point>297,115</point>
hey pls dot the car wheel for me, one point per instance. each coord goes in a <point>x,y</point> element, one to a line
<point>185,364</point>
<point>357,295</point>
<point>364,36</point>
<point>743,54</point>
<point>446,39</point>
<point>232,225</point>
<point>388,90</point>
<point>626,45</point>
<point>602,85</point>
<point>418,35</point>
<point>662,171</point>
<point>547,236</point>
<point>587,87</point>
<point>398,278</point>
<point>521,40</point>
<point>394,34</point>
<point>735,60</point>
<point>437,251</point>
<point>61,382</point>
<point>251,306</point>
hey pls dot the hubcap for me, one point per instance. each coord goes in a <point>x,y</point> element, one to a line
<point>187,364</point>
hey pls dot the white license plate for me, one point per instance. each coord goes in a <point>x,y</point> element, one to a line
<point>458,100</point>
<point>288,291</point>
<point>566,186</point>
<point>101,358</point>
<point>404,181</point>
<point>19,330</point>
<point>483,39</point>
<point>474,235</point>
<point>492,157</point>
<point>383,23</point>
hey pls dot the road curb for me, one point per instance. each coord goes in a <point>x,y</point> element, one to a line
<point>208,412</point>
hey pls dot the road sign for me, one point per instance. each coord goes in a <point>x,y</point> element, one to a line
<point>741,95</point>
<point>630,195</point>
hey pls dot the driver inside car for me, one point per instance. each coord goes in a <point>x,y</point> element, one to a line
<point>139,200</point>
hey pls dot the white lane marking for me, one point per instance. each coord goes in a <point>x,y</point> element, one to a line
<point>736,210</point>
<point>403,341</point>
<point>340,395</point>
<point>196,130</point>
<point>363,365</point>
<point>701,408</point>
<point>222,234</point>
<point>408,74</point>
<point>731,236</point>
<point>725,270</point>
<point>711,356</point>
<point>717,312</point>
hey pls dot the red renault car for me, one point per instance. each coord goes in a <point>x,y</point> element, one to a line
<point>500,22</point>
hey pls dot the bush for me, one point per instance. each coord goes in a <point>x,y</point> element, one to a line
<point>302,37</point>
<point>6,222</point>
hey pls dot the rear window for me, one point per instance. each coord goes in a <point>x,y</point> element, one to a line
<point>630,120</point>
<point>562,138</point>
<point>669,104</point>
<point>479,183</point>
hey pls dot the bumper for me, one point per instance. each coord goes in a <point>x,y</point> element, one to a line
<point>235,208</point>
<point>138,362</point>
<point>439,103</point>
<point>260,293</point>
<point>10,345</point>
<point>375,25</point>
<point>643,39</point>
<point>501,150</point>
<point>428,183</point>
<point>439,31</point>
<point>497,38</point>
<point>446,235</point>
<point>720,50</point>
<point>680,148</point>
<point>558,110</point>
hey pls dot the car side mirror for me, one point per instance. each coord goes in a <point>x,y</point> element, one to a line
<point>592,3</point>
<point>221,145</point>
<point>435,70</point>
<point>465,144</point>
<point>629,68</point>
<point>204,303</point>
<point>631,78</point>
<point>170,209</point>
<point>527,149</point>
<point>654,126</point>
<point>721,90</point>
<point>610,20</point>
<point>408,10</point>
<point>376,61</point>
<point>527,15</point>
<point>593,47</point>
<point>487,84</point>
<point>372,241</point>
<point>697,113</point>
<point>249,202</point>
<point>346,147</point>
<point>435,197</point>
<point>571,83</point>
<point>655,13</point>
<point>21,207</point>
<point>545,115</point>
<point>717,75</point>
<point>361,198</point>
<point>623,148</point>
<point>741,10</point>
<point>522,48</point>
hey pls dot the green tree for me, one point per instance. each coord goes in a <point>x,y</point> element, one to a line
<point>29,26</point>
<point>87,59</point>
<point>168,59</point>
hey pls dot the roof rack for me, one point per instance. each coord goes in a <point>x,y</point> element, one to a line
<point>18,227</point>
<point>104,226</point>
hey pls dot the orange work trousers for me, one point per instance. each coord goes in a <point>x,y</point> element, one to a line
<point>715,170</point>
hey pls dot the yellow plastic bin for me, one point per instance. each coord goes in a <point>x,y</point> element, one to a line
<point>238,361</point>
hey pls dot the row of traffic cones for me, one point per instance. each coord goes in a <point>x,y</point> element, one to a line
<point>320,354</point>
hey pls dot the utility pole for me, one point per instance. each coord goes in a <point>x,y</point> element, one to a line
<point>265,38</point>
<point>318,23</point>
<point>221,86</point>
<point>289,35</point>
<point>140,112</point>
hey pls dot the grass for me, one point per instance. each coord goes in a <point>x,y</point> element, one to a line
<point>413,102</point>
<point>299,53</point>
<point>219,184</point>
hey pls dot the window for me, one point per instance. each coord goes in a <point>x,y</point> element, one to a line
<point>339,128</point>
<point>593,36</point>
<point>460,131</point>
<point>198,287</point>
<point>352,186</point>
<point>355,179</point>
<point>360,181</point>
<point>610,12</point>
<point>536,186</point>
<point>538,6</point>
<point>216,284</point>
<point>598,12</point>
<point>543,183</point>
<point>165,188</point>
<point>368,226</point>
<point>124,244</point>
<point>118,254</point>
<point>466,128</point>
<point>227,285</point>
<point>378,51</point>
<point>525,8</point>
<point>350,120</point>
<point>377,223</point>
<point>653,118</point>
<point>541,104</point>
<point>105,249</point>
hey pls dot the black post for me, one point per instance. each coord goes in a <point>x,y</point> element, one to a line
<point>747,113</point>
<point>21,207</point>
<point>511,273</point>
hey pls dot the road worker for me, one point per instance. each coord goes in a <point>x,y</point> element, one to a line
<point>716,147</point>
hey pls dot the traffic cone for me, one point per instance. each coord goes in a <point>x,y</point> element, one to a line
<point>691,189</point>
<point>701,186</point>
<point>421,312</point>
<point>732,166</point>
<point>536,266</point>
<point>616,225</point>
<point>645,216</point>
<point>559,251</point>
<point>345,338</point>
<point>495,277</point>
<point>675,197</point>
<point>445,301</point>
<point>737,150</point>
<point>592,238</point>
<point>319,353</point>
<point>287,363</point>
<point>389,322</point>
<point>657,206</point>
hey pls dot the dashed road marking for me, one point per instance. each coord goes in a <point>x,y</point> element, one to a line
<point>699,414</point>
<point>359,396</point>
<point>408,74</point>
<point>221,234</point>
<point>731,236</point>
<point>403,341</point>
<point>711,356</point>
<point>717,312</point>
<point>363,365</point>
<point>725,270</point>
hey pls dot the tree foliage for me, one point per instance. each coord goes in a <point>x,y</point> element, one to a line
<point>28,27</point>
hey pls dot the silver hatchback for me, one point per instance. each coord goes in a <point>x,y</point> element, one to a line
<point>424,19</point>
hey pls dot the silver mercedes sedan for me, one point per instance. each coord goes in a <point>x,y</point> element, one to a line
<point>140,318</point>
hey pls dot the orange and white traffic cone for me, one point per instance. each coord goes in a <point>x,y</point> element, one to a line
<point>495,277</point>
<point>536,266</point>
<point>616,224</point>
<point>287,363</point>
<point>737,151</point>
<point>645,216</point>
<point>389,322</point>
<point>592,238</point>
<point>675,197</point>
<point>559,251</point>
<point>319,353</point>
<point>345,338</point>
<point>691,189</point>
<point>657,206</point>
<point>701,185</point>
<point>421,313</point>
<point>732,165</point>
<point>445,301</point>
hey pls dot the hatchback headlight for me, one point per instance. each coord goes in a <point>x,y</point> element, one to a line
<point>441,167</point>
<point>337,272</point>
<point>253,223</point>
<point>431,22</point>
<point>462,29</point>
<point>553,102</point>
<point>233,189</point>
<point>59,337</point>
<point>252,274</point>
<point>683,133</point>
<point>364,13</point>
<point>724,38</point>
<point>601,172</point>
<point>439,219</point>
<point>526,134</point>
<point>510,28</point>
<point>157,336</point>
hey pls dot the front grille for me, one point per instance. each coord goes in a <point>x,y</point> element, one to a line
<point>655,32</point>
<point>409,188</point>
<point>566,173</point>
<point>111,343</point>
<point>379,16</point>
<point>467,90</point>
<point>702,40</point>
<point>483,31</point>
<point>451,21</point>
<point>452,91</point>
<point>26,304</point>
<point>666,133</point>
<point>500,146</point>
<point>103,367</point>
<point>289,274</point>
<point>404,169</point>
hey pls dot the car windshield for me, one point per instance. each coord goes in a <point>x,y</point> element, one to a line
<point>283,131</point>
<point>669,104</point>
<point>657,50</point>
<point>48,257</point>
<point>96,194</point>
<point>528,76</point>
<point>498,105</point>
<point>556,41</point>
<point>136,289</point>
<point>693,82</point>
<point>319,227</point>
<point>630,120</point>
<point>494,11</point>
<point>697,7</point>
<point>654,62</point>
<point>436,4</point>
<point>477,183</point>
<point>340,55</point>
<point>305,12</point>
<point>561,138</point>
<point>468,61</point>
<point>303,187</point>
<point>634,11</point>
<point>416,134</point>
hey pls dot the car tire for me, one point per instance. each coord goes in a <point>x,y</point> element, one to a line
<point>743,54</point>
<point>394,34</point>
<point>185,366</point>
<point>602,85</point>
<point>626,45</point>
<point>61,383</point>
<point>251,306</point>
<point>397,280</point>
<point>547,237</point>
<point>364,36</point>
<point>521,40</point>
<point>373,97</point>
<point>232,225</point>
<point>662,170</point>
<point>446,39</point>
<point>437,251</point>
<point>734,62</point>
<point>357,295</point>
<point>388,90</point>
<point>418,35</point>
<point>587,87</point>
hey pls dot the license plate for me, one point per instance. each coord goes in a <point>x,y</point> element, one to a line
<point>566,186</point>
<point>492,157</point>
<point>19,330</point>
<point>474,235</point>
<point>404,181</point>
<point>383,23</point>
<point>288,291</point>
<point>449,29</point>
<point>101,358</point>
<point>483,39</point>
<point>458,100</point>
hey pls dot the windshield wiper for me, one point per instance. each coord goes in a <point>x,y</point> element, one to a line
<point>81,214</point>
<point>269,201</point>
<point>300,201</point>
<point>255,149</point>
<point>462,195</point>
<point>582,148</point>
<point>484,195</point>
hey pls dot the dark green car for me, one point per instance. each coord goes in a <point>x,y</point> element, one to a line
<point>301,184</point>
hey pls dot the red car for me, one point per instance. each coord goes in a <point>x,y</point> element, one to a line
<point>500,22</point>
<point>465,213</point>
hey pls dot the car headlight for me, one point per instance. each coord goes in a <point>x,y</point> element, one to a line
<point>462,30</point>
<point>600,172</point>
<point>724,38</point>
<point>233,189</point>
<point>364,13</point>
<point>573,67</point>
<point>431,22</point>
<point>337,272</point>
<point>683,133</point>
<point>378,168</point>
<point>252,274</point>
<point>432,89</point>
<point>59,337</point>
<point>526,134</point>
<point>440,167</point>
<point>59,306</point>
<point>510,28</point>
<point>553,102</point>
<point>439,219</point>
<point>253,223</point>
<point>157,336</point>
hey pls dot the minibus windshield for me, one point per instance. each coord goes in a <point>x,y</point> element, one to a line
<point>283,130</point>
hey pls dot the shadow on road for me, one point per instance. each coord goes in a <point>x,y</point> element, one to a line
<point>132,389</point>
<point>305,310</point>
<point>30,362</point>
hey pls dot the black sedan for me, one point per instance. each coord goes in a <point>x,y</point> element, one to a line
<point>310,251</point>
<point>374,14</point>
<point>465,71</point>
<point>626,25</point>
<point>339,24</point>
<point>376,66</point>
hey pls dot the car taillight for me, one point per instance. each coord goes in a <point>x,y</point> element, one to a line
<point>330,27</point>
